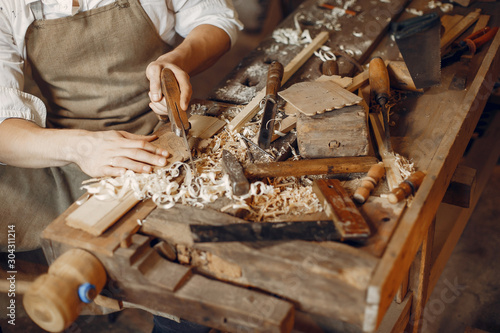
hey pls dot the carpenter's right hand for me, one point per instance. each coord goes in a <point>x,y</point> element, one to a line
<point>111,153</point>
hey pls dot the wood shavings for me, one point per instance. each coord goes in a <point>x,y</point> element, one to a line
<point>178,185</point>
<point>445,7</point>
<point>414,11</point>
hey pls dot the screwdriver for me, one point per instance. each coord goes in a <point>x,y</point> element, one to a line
<point>380,88</point>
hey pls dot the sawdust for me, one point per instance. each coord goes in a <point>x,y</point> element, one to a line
<point>178,184</point>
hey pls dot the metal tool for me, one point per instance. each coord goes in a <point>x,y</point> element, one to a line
<point>418,40</point>
<point>234,170</point>
<point>178,119</point>
<point>380,87</point>
<point>270,105</point>
<point>267,231</point>
<point>470,43</point>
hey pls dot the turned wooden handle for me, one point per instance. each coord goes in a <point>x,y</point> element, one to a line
<point>274,77</point>
<point>408,187</point>
<point>379,80</point>
<point>53,301</point>
<point>171,92</point>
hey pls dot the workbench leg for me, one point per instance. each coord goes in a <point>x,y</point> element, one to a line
<point>419,281</point>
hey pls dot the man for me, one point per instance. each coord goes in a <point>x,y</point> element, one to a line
<point>96,65</point>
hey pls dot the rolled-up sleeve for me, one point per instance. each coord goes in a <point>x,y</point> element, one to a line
<point>220,13</point>
<point>14,102</point>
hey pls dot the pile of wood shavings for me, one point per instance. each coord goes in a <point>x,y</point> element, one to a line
<point>179,184</point>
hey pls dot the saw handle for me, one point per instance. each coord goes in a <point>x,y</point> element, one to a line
<point>274,77</point>
<point>172,94</point>
<point>379,80</point>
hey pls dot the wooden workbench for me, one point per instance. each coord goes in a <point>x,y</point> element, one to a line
<point>328,284</point>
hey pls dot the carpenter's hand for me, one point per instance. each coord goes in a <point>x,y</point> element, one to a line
<point>158,103</point>
<point>111,153</point>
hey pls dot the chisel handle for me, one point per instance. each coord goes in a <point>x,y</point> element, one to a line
<point>274,77</point>
<point>379,80</point>
<point>172,94</point>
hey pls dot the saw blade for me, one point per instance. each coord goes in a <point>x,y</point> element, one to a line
<point>418,40</point>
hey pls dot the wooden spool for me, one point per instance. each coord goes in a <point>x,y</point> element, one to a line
<point>52,301</point>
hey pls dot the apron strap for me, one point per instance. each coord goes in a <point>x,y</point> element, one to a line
<point>37,10</point>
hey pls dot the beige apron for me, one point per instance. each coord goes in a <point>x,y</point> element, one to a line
<point>90,68</point>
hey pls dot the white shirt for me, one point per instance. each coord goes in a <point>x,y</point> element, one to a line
<point>182,16</point>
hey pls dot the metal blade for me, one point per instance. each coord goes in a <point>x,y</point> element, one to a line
<point>269,231</point>
<point>418,40</point>
<point>184,136</point>
<point>267,126</point>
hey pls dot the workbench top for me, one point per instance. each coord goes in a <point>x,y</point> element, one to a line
<point>350,283</point>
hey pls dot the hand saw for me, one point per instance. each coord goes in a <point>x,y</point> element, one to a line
<point>178,118</point>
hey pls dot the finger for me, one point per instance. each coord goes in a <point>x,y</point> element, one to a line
<point>153,72</point>
<point>130,164</point>
<point>184,86</point>
<point>109,171</point>
<point>138,137</point>
<point>143,156</point>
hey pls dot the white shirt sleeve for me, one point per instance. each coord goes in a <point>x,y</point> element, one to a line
<point>14,102</point>
<point>220,13</point>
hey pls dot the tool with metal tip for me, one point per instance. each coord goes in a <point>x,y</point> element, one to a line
<point>380,87</point>
<point>178,119</point>
<point>234,170</point>
<point>274,77</point>
<point>418,40</point>
<point>266,231</point>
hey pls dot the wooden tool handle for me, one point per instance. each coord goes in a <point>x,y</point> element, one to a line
<point>376,172</point>
<point>330,67</point>
<point>409,186</point>
<point>379,80</point>
<point>274,77</point>
<point>53,301</point>
<point>171,92</point>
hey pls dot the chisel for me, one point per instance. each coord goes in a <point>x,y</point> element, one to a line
<point>274,77</point>
<point>380,87</point>
<point>178,118</point>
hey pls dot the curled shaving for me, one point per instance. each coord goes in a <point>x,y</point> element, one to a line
<point>177,184</point>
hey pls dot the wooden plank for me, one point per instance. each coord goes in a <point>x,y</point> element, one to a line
<point>419,280</point>
<point>449,21</point>
<point>452,220</point>
<point>481,23</point>
<point>369,27</point>
<point>414,223</point>
<point>216,304</point>
<point>341,209</point>
<point>337,165</point>
<point>338,133</point>
<point>204,127</point>
<point>95,216</point>
<point>383,218</point>
<point>106,243</point>
<point>316,97</point>
<point>251,109</point>
<point>397,317</point>
<point>284,126</point>
<point>309,270</point>
<point>461,188</point>
<point>458,30</point>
